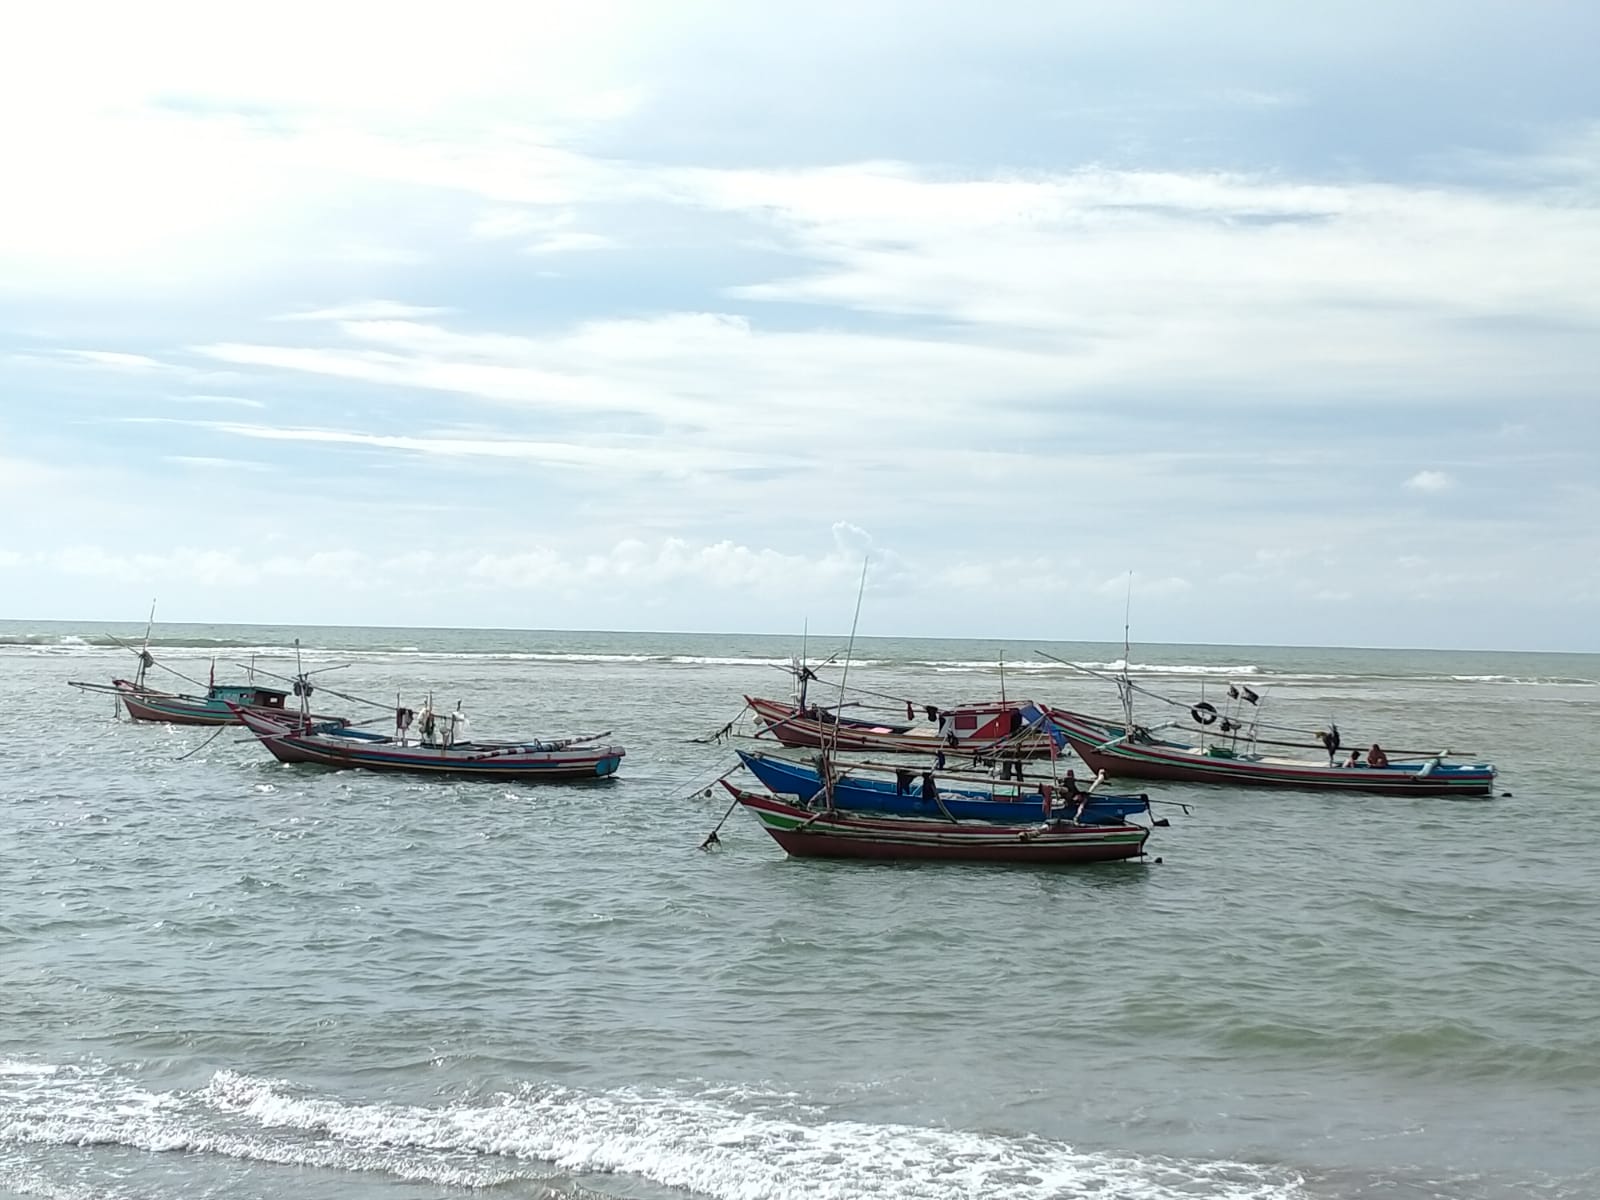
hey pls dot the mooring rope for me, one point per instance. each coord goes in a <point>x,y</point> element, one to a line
<point>215,735</point>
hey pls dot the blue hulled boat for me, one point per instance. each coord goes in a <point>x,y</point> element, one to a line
<point>876,788</point>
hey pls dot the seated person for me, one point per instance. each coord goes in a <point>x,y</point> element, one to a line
<point>1376,757</point>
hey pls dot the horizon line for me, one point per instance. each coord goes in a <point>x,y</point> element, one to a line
<point>779,634</point>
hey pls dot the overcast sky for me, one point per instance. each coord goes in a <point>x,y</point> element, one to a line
<point>662,316</point>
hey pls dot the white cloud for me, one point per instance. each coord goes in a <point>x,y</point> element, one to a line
<point>366,310</point>
<point>1430,481</point>
<point>608,457</point>
<point>222,464</point>
<point>114,359</point>
<point>574,240</point>
<point>224,401</point>
<point>1145,586</point>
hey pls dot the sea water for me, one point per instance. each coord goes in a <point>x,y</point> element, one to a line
<point>222,976</point>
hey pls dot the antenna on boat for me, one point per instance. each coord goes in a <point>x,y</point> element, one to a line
<point>1002,678</point>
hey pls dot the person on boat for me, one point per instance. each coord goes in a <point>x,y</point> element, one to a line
<point>1355,759</point>
<point>1376,757</point>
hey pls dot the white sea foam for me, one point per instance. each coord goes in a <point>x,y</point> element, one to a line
<point>99,1108</point>
<point>587,657</point>
<point>31,1069</point>
<point>1047,666</point>
<point>709,1145</point>
<point>38,1186</point>
<point>729,1144</point>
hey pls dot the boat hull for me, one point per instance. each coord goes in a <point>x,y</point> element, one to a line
<point>804,833</point>
<point>317,745</point>
<point>173,710</point>
<point>789,726</point>
<point>142,704</point>
<point>1021,803</point>
<point>1104,747</point>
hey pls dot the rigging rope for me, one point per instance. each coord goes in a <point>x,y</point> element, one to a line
<point>215,735</point>
<point>153,661</point>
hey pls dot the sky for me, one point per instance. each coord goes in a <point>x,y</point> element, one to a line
<point>1259,323</point>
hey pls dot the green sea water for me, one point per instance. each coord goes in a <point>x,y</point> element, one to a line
<point>222,976</point>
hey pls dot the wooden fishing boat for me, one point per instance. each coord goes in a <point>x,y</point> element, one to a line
<point>296,739</point>
<point>831,833</point>
<point>216,707</point>
<point>984,729</point>
<point>212,706</point>
<point>1129,751</point>
<point>901,791</point>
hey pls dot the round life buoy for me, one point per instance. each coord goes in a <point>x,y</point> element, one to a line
<point>1204,713</point>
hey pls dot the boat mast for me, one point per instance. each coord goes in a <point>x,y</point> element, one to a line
<point>1125,687</point>
<point>829,751</point>
<point>144,651</point>
<point>800,677</point>
<point>300,685</point>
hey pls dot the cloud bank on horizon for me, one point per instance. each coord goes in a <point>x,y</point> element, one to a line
<point>618,315</point>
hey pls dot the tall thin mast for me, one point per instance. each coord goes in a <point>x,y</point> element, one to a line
<point>843,675</point>
<point>144,651</point>
<point>300,684</point>
<point>1127,680</point>
<point>805,630</point>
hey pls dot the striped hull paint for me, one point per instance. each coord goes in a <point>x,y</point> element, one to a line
<point>290,744</point>
<point>147,706</point>
<point>141,704</point>
<point>1103,747</point>
<point>858,793</point>
<point>806,834</point>
<point>786,723</point>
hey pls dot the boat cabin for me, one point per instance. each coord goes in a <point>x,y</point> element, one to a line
<point>248,695</point>
<point>984,722</point>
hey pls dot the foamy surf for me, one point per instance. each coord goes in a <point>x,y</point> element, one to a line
<point>732,1145</point>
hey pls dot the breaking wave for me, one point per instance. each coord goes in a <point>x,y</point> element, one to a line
<point>713,1142</point>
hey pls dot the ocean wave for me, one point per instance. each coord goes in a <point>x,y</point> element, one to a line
<point>118,641</point>
<point>1055,667</point>
<point>715,1146</point>
<point>96,1107</point>
<point>238,651</point>
<point>724,1143</point>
